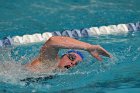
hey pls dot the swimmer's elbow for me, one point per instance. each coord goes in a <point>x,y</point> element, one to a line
<point>53,40</point>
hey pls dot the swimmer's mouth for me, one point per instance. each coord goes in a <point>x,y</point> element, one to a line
<point>67,67</point>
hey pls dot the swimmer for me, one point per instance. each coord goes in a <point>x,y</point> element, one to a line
<point>49,59</point>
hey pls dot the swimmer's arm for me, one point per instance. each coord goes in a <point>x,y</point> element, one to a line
<point>68,43</point>
<point>58,42</point>
<point>50,49</point>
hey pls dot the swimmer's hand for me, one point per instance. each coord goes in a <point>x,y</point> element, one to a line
<point>97,50</point>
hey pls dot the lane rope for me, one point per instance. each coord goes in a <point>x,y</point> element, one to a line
<point>75,33</point>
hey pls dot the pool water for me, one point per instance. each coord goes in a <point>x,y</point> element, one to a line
<point>119,74</point>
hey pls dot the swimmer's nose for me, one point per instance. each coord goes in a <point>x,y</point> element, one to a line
<point>74,64</point>
<point>68,66</point>
<point>71,64</point>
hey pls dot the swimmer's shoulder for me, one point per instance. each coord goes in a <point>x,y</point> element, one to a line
<point>35,62</point>
<point>32,66</point>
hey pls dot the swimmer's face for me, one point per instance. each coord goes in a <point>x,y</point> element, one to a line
<point>69,60</point>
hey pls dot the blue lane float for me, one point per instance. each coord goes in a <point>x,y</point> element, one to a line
<point>56,33</point>
<point>85,32</point>
<point>6,41</point>
<point>133,26</point>
<point>75,33</point>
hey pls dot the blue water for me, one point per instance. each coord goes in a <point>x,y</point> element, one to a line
<point>117,75</point>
